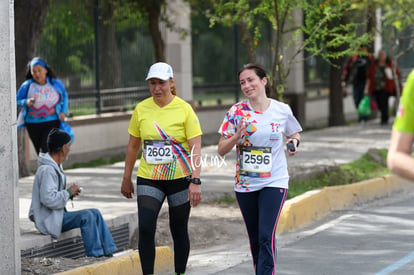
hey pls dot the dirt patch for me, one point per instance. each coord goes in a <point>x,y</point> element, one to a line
<point>210,224</point>
<point>46,266</point>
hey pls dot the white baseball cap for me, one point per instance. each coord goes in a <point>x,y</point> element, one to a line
<point>161,71</point>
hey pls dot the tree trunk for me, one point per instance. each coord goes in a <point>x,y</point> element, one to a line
<point>247,42</point>
<point>29,17</point>
<point>336,106</point>
<point>154,11</point>
<point>109,54</point>
<point>371,24</point>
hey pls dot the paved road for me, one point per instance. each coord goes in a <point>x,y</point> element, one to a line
<point>375,238</point>
<point>319,149</point>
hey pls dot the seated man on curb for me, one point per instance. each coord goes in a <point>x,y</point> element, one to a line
<point>49,198</point>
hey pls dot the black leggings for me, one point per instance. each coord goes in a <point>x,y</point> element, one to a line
<point>38,133</point>
<point>150,197</point>
<point>382,96</point>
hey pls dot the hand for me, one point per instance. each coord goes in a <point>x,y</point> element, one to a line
<point>241,128</point>
<point>127,188</point>
<point>194,194</point>
<point>75,190</point>
<point>295,143</point>
<point>30,102</point>
<point>62,116</point>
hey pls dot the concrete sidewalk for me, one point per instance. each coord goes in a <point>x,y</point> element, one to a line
<point>319,150</point>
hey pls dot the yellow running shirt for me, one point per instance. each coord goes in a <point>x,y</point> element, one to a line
<point>164,134</point>
<point>404,121</point>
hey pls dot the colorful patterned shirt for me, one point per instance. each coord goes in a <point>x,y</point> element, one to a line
<point>51,99</point>
<point>164,134</point>
<point>46,99</point>
<point>261,159</point>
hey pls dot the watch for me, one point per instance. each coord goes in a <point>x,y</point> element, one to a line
<point>196,181</point>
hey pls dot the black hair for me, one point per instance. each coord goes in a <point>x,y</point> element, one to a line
<point>50,73</point>
<point>260,72</point>
<point>56,139</point>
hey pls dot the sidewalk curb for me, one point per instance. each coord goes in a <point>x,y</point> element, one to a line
<point>297,213</point>
<point>316,204</point>
<point>128,264</point>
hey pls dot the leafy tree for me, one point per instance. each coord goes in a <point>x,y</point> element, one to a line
<point>327,34</point>
<point>150,13</point>
<point>67,37</point>
<point>109,53</point>
<point>397,29</point>
<point>334,34</point>
<point>213,48</point>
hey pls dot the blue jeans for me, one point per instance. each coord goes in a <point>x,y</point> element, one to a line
<point>97,238</point>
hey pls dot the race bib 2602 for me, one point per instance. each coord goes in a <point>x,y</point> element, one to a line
<point>158,151</point>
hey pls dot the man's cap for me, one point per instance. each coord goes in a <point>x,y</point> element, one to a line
<point>161,71</point>
<point>56,139</point>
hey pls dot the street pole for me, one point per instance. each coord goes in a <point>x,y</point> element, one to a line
<point>97,64</point>
<point>9,170</point>
<point>236,59</point>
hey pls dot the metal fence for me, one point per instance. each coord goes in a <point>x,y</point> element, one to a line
<point>205,95</point>
<point>123,99</point>
<point>108,100</point>
<point>107,73</point>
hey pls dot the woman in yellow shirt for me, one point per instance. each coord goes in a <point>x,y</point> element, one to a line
<point>168,131</point>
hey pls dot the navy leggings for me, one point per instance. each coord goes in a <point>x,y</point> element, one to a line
<point>150,196</point>
<point>261,211</point>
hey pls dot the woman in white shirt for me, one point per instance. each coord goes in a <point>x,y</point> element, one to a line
<point>256,126</point>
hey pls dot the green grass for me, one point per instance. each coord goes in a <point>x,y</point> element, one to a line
<point>368,166</point>
<point>211,98</point>
<point>83,111</point>
<point>225,201</point>
<point>97,162</point>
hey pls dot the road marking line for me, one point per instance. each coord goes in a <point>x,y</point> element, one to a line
<point>397,265</point>
<point>327,225</point>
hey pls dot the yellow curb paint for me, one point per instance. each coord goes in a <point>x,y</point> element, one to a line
<point>128,264</point>
<point>297,212</point>
<point>164,260</point>
<point>316,204</point>
<point>301,210</point>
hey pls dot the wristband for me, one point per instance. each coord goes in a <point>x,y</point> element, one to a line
<point>196,181</point>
